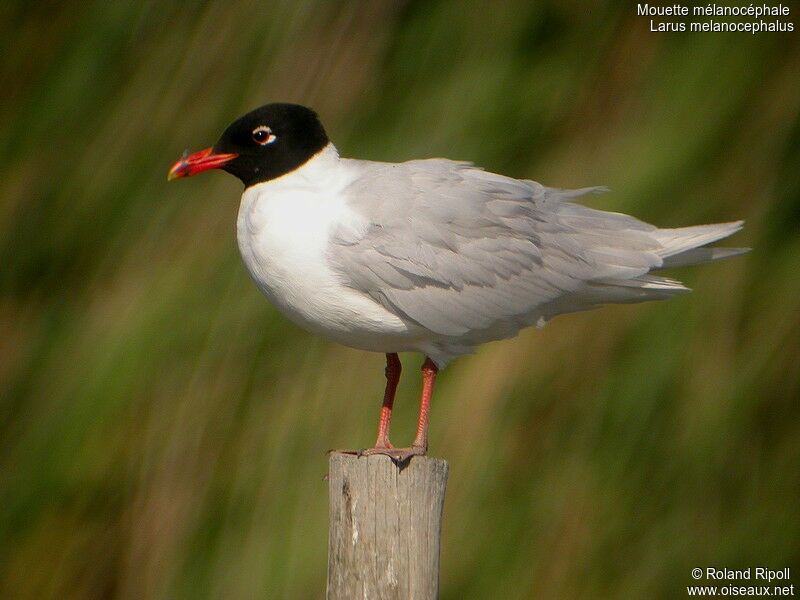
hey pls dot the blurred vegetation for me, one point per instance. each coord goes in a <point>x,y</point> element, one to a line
<point>163,429</point>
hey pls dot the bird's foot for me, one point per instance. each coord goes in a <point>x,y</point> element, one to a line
<point>400,456</point>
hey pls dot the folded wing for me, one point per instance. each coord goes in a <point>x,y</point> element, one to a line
<point>474,255</point>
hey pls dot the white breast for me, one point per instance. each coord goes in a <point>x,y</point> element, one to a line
<point>283,229</point>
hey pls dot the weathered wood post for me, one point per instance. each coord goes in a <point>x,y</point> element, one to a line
<point>385,527</point>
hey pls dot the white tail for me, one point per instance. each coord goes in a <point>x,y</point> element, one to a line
<point>682,246</point>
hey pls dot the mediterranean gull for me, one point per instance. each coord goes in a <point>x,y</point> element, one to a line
<point>433,256</point>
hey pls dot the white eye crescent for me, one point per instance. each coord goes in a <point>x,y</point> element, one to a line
<point>262,135</point>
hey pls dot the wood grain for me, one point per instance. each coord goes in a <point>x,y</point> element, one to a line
<point>385,527</point>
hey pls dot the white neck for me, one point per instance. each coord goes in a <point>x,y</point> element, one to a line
<point>312,173</point>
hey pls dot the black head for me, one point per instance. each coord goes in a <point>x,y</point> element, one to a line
<point>262,145</point>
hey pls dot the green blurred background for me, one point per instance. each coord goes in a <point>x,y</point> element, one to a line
<point>163,429</point>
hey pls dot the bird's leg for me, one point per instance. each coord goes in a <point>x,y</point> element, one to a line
<point>420,445</point>
<point>429,371</point>
<point>393,370</point>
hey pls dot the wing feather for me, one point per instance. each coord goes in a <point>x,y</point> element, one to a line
<point>471,254</point>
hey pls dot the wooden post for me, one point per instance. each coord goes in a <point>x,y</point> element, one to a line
<point>385,527</point>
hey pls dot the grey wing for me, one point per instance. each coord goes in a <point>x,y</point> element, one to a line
<point>472,255</point>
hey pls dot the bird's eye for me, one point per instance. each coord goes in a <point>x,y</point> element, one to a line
<point>262,135</point>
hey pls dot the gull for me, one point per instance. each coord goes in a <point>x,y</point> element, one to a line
<point>433,256</point>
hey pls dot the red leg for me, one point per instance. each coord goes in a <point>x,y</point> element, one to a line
<point>393,369</point>
<point>420,445</point>
<point>429,371</point>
